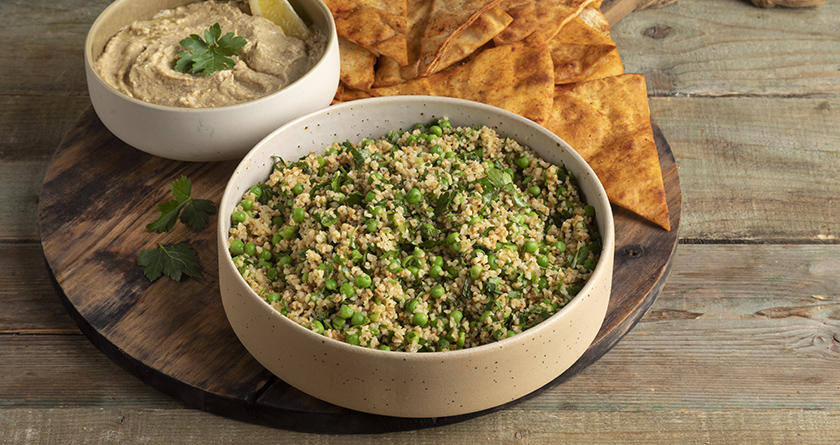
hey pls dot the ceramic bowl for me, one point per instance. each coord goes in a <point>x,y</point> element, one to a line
<point>405,384</point>
<point>186,134</point>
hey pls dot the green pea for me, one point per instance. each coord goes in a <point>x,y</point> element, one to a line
<point>345,311</point>
<point>437,260</point>
<point>374,177</point>
<point>338,323</point>
<point>530,246</point>
<point>265,255</point>
<point>394,266</point>
<point>238,217</point>
<point>436,149</point>
<point>452,238</point>
<point>461,339</point>
<point>476,271</point>
<point>297,189</point>
<point>542,261</point>
<point>263,263</point>
<point>284,260</point>
<point>414,196</point>
<point>486,317</point>
<point>412,336</point>
<point>321,161</point>
<point>414,271</point>
<point>449,155</point>
<point>256,191</point>
<point>363,281</point>
<point>331,284</point>
<point>272,273</point>
<point>560,246</point>
<point>492,262</point>
<point>298,214</point>
<point>445,124</point>
<point>371,225</point>
<point>399,197</point>
<point>456,246</point>
<point>348,290</point>
<point>272,297</point>
<point>475,219</point>
<point>420,319</point>
<point>358,319</point>
<point>534,190</point>
<point>436,271</point>
<point>247,203</point>
<point>353,339</point>
<point>237,247</point>
<point>356,256</point>
<point>370,196</point>
<point>377,211</point>
<point>542,283</point>
<point>250,249</point>
<point>277,221</point>
<point>411,305</point>
<point>589,211</point>
<point>456,316</point>
<point>522,162</point>
<point>384,347</point>
<point>437,292</point>
<point>317,327</point>
<point>589,264</point>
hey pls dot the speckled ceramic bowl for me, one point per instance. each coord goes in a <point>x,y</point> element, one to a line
<point>398,383</point>
<point>189,134</point>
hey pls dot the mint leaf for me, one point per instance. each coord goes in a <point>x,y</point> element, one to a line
<point>173,261</point>
<point>210,54</point>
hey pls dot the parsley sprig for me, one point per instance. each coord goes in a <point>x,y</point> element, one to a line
<point>193,212</point>
<point>208,55</point>
<point>173,261</point>
<point>179,259</point>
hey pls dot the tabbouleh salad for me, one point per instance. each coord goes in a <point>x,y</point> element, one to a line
<point>433,239</point>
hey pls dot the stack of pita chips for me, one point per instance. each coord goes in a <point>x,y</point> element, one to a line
<point>551,61</point>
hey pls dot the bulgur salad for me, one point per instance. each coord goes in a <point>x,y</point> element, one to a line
<point>433,239</point>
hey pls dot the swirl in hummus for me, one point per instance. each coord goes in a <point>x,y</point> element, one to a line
<point>138,61</point>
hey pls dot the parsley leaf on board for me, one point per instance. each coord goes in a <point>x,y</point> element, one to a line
<point>208,55</point>
<point>173,261</point>
<point>193,212</point>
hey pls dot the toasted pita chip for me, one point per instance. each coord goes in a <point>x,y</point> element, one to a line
<point>446,20</point>
<point>466,42</point>
<point>592,16</point>
<point>345,93</point>
<point>388,71</point>
<point>545,16</point>
<point>356,65</point>
<point>378,25</point>
<point>609,66</point>
<point>607,121</point>
<point>576,49</point>
<point>517,77</point>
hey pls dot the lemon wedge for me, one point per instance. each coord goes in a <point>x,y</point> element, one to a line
<point>283,14</point>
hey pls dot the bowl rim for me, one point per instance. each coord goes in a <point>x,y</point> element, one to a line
<point>602,267</point>
<point>90,59</point>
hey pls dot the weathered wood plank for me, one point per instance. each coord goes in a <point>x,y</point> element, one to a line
<point>748,175</point>
<point>724,47</point>
<point>49,36</point>
<point>28,299</point>
<point>172,426</point>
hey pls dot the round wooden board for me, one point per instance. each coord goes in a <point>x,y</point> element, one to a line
<point>99,194</point>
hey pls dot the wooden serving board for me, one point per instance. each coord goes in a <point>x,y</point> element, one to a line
<point>99,194</point>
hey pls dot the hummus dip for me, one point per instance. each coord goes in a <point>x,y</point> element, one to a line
<point>139,60</point>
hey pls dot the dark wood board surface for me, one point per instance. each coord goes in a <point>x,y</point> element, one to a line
<point>97,197</point>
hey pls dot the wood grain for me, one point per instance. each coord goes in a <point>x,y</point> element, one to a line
<point>99,194</point>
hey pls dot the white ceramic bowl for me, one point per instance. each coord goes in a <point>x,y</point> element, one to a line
<point>399,383</point>
<point>191,134</point>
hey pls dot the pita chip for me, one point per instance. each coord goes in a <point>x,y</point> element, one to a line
<point>517,77</point>
<point>447,19</point>
<point>388,71</point>
<point>545,16</point>
<point>378,25</point>
<point>607,121</point>
<point>576,49</point>
<point>356,65</point>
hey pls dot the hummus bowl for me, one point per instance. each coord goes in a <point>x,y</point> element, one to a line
<point>205,134</point>
<point>407,384</point>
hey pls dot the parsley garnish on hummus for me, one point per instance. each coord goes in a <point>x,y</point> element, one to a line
<point>208,55</point>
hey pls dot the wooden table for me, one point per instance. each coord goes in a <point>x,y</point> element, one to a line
<point>741,346</point>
